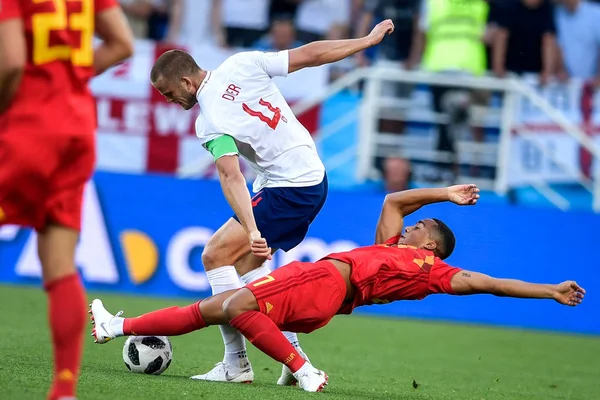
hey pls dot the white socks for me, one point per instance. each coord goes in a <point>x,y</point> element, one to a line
<point>293,339</point>
<point>255,274</point>
<point>258,273</point>
<point>221,280</point>
<point>116,325</point>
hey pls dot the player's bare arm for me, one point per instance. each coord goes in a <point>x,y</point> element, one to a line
<point>236,192</point>
<point>330,51</point>
<point>466,282</point>
<point>398,205</point>
<point>117,45</point>
<point>12,59</point>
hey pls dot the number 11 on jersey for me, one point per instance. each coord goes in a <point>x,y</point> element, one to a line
<point>272,122</point>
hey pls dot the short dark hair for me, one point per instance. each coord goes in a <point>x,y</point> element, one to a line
<point>174,64</point>
<point>446,241</point>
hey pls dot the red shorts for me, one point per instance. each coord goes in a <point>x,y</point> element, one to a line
<point>42,177</point>
<point>300,297</point>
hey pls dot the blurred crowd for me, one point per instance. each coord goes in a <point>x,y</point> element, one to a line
<point>273,24</point>
<point>555,39</point>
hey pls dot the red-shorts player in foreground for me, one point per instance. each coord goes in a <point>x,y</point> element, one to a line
<point>302,297</point>
<point>47,144</point>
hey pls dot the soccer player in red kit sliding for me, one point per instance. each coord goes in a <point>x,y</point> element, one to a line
<point>47,144</point>
<point>302,297</point>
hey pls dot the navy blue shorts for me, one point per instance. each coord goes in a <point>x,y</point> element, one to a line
<point>283,214</point>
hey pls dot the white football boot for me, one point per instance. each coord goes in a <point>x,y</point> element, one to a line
<point>101,319</point>
<point>287,378</point>
<point>223,372</point>
<point>311,379</point>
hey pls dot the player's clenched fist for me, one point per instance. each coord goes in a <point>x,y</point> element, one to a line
<point>463,195</point>
<point>380,30</point>
<point>259,245</point>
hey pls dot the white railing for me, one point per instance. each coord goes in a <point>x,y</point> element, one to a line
<point>374,106</point>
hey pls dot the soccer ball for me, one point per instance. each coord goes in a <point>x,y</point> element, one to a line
<point>147,354</point>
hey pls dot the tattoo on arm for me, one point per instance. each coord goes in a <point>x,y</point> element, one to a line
<point>466,274</point>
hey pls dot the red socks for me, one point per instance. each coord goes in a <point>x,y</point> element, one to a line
<point>170,321</point>
<point>262,332</point>
<point>67,316</point>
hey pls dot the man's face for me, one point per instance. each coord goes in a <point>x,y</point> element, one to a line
<point>418,235</point>
<point>181,92</point>
<point>397,174</point>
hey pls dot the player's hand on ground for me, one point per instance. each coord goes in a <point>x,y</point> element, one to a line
<point>569,293</point>
<point>463,195</point>
<point>380,30</point>
<point>259,245</point>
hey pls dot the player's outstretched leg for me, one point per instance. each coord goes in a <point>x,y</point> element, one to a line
<point>242,311</point>
<point>170,321</point>
<point>66,307</point>
<point>287,377</point>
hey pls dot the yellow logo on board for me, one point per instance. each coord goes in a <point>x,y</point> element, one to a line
<point>141,255</point>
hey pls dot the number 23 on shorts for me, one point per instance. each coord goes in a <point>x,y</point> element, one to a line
<point>263,281</point>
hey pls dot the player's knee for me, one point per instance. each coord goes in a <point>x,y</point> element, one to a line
<point>241,302</point>
<point>210,258</point>
<point>226,246</point>
<point>217,253</point>
<point>229,309</point>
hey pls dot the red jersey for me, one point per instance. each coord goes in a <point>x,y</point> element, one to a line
<point>54,94</point>
<point>389,272</point>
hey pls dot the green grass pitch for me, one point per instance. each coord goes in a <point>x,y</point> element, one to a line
<point>366,358</point>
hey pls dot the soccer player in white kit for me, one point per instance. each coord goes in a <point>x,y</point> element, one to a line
<point>244,113</point>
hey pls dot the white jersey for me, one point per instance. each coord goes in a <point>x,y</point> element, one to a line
<point>240,99</point>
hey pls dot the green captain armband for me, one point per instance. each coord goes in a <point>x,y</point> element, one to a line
<point>222,146</point>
